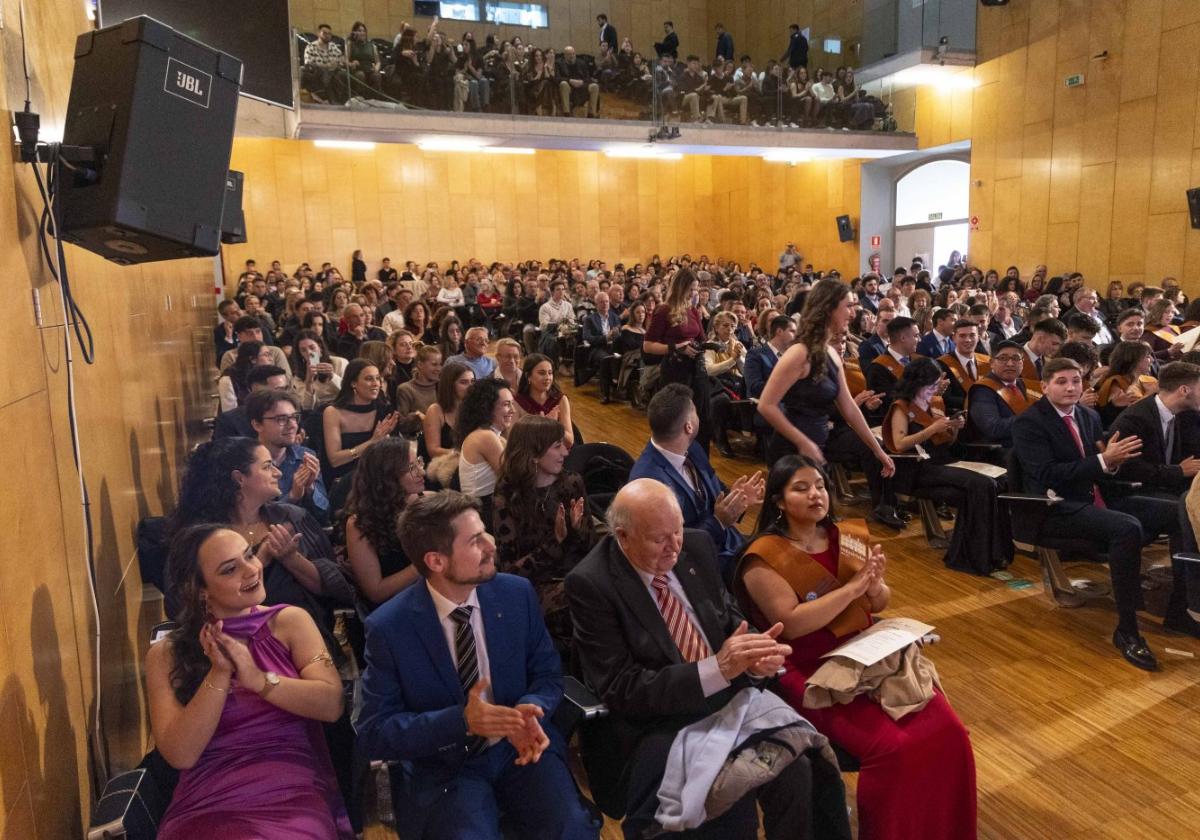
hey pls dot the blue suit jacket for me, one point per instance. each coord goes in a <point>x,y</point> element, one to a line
<point>413,702</point>
<point>869,349</point>
<point>652,464</point>
<point>930,347</point>
<point>760,361</point>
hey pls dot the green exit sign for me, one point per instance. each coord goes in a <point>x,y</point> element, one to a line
<point>1075,81</point>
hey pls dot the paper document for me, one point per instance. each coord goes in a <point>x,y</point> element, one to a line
<point>990,470</point>
<point>881,639</point>
<point>1189,339</point>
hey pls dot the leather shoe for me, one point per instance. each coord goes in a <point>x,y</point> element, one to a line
<point>885,515</point>
<point>1183,623</point>
<point>1135,650</point>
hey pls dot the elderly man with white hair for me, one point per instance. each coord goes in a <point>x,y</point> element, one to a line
<point>474,354</point>
<point>661,640</point>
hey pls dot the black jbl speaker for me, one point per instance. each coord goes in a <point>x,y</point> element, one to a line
<point>845,230</point>
<point>1194,206</point>
<point>233,220</point>
<point>159,108</point>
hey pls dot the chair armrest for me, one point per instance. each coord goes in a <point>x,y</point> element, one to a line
<point>1029,499</point>
<point>583,698</point>
<point>1118,484</point>
<point>1187,556</point>
<point>984,446</point>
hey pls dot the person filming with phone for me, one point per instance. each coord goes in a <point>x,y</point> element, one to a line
<point>917,424</point>
<point>315,380</point>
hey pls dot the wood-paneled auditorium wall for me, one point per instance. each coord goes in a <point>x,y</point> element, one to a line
<point>571,21</point>
<point>304,203</point>
<point>134,407</point>
<point>760,28</point>
<point>1091,177</point>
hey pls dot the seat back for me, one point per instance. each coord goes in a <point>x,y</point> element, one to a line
<point>605,469</point>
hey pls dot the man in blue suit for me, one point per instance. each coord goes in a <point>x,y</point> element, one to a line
<point>761,359</point>
<point>461,681</point>
<point>673,458</point>
<point>938,341</point>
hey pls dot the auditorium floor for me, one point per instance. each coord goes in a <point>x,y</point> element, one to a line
<point>1070,741</point>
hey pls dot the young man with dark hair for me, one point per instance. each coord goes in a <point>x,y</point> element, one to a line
<point>796,54</point>
<point>1061,448</point>
<point>1046,337</point>
<point>225,333</point>
<point>274,416</point>
<point>461,682</point>
<point>964,366</point>
<point>938,342</point>
<point>236,423</point>
<point>669,45</point>
<point>884,372</point>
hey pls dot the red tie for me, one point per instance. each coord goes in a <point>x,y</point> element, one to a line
<point>1097,500</point>
<point>687,638</point>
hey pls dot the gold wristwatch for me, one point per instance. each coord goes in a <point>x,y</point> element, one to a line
<point>272,680</point>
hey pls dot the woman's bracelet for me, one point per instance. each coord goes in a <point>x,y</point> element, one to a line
<point>216,688</point>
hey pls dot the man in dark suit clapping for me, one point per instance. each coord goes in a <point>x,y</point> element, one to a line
<point>1060,448</point>
<point>661,640</point>
<point>1167,423</point>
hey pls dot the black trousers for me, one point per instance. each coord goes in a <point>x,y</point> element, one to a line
<point>982,540</point>
<point>844,446</point>
<point>807,801</point>
<point>1123,527</point>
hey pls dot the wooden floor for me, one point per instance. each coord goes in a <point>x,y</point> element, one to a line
<point>1070,741</point>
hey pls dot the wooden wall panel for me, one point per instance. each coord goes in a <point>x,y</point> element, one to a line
<point>136,407</point>
<point>407,204</point>
<point>1089,178</point>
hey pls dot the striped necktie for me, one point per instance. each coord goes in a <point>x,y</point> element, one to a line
<point>687,638</point>
<point>468,664</point>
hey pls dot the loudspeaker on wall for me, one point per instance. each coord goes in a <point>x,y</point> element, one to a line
<point>845,229</point>
<point>159,108</point>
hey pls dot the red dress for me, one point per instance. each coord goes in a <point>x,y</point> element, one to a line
<point>917,774</point>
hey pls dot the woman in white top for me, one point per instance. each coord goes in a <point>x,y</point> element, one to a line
<point>315,379</point>
<point>484,418</point>
<point>451,294</point>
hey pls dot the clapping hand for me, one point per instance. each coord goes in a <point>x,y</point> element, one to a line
<point>756,653</point>
<point>560,519</point>
<point>279,544</point>
<point>746,491</point>
<point>489,720</point>
<point>305,477</point>
<point>530,741</point>
<point>1118,450</point>
<point>385,426</point>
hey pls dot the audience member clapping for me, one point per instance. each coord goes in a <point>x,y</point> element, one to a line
<point>357,418</point>
<point>441,418</point>
<point>234,693</point>
<point>483,419</point>
<point>275,416</point>
<point>539,394</point>
<point>541,520</point>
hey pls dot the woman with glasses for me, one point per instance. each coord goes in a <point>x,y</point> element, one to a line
<point>389,476</point>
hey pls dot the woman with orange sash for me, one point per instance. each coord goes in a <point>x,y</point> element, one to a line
<point>917,774</point>
<point>982,540</point>
<point>1161,331</point>
<point>1128,380</point>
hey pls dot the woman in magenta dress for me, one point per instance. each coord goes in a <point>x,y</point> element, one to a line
<point>917,775</point>
<point>236,693</point>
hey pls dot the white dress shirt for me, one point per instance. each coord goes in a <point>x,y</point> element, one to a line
<point>1103,336</point>
<point>1165,416</point>
<point>677,461</point>
<point>711,680</point>
<point>968,363</point>
<point>444,607</point>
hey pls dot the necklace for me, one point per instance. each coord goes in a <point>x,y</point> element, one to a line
<point>809,545</point>
<point>250,532</point>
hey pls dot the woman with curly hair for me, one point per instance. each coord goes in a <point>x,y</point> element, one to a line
<point>235,693</point>
<point>808,385</point>
<point>388,477</point>
<point>484,418</point>
<point>233,482</point>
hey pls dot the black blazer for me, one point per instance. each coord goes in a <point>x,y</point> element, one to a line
<point>626,652</point>
<point>608,34</point>
<point>1155,467</point>
<point>1049,458</point>
<point>668,46</point>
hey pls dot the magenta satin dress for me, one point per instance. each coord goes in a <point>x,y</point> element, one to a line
<point>266,772</point>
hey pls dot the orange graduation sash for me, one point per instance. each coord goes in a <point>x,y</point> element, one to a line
<point>1015,400</point>
<point>952,363</point>
<point>855,380</point>
<point>1121,383</point>
<point>809,579</point>
<point>889,361</point>
<point>919,416</point>
<point>1169,333</point>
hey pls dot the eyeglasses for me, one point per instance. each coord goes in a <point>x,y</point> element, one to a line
<point>284,419</point>
<point>417,467</point>
<point>1006,359</point>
